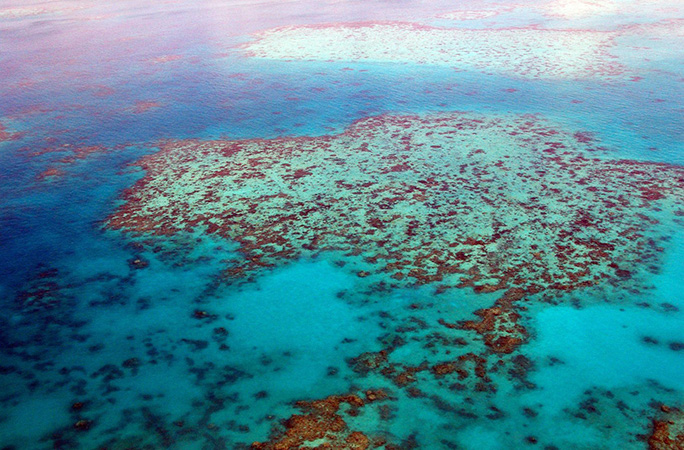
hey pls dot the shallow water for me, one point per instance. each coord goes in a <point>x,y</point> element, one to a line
<point>236,224</point>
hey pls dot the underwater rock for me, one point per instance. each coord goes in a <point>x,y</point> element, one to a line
<point>138,263</point>
<point>77,406</point>
<point>503,344</point>
<point>131,363</point>
<point>676,346</point>
<point>375,395</point>
<point>369,361</point>
<point>201,314</point>
<point>83,425</point>
<point>499,327</point>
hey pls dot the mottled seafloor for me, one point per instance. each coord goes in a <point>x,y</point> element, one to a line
<point>342,224</point>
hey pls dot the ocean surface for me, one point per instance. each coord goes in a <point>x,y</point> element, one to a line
<point>342,224</point>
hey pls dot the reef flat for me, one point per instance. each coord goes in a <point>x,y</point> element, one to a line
<point>527,52</point>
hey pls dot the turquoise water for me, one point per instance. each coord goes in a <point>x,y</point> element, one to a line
<point>115,337</point>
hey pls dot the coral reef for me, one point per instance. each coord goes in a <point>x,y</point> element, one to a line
<point>506,205</point>
<point>436,199</point>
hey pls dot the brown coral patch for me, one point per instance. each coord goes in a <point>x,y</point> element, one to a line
<point>322,421</point>
<point>499,327</point>
<point>668,431</point>
<point>369,361</point>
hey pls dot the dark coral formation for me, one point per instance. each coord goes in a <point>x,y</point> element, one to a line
<point>72,155</point>
<point>41,293</point>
